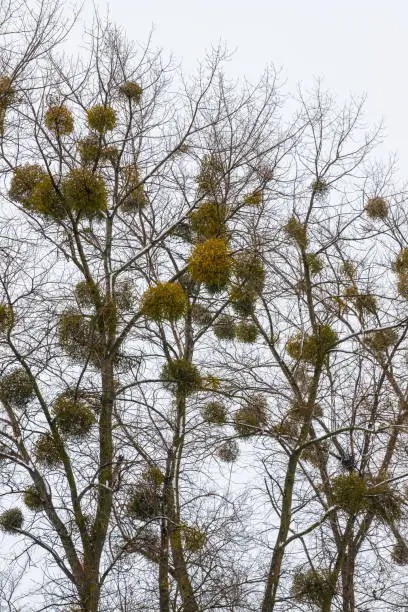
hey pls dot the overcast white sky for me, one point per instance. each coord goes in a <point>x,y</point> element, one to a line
<point>356,47</point>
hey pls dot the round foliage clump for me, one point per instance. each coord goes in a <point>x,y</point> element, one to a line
<point>316,454</point>
<point>58,119</point>
<point>46,451</point>
<point>201,315</point>
<point>6,318</point>
<point>401,263</point>
<point>384,502</point>
<point>183,375</point>
<point>164,302</point>
<point>379,341</point>
<point>242,299</point>
<point>246,332</point>
<point>320,188</point>
<point>144,502</point>
<point>131,90</point>
<point>7,92</point>
<point>363,302</point>
<point>17,388</point>
<point>154,476</point>
<point>224,328</point>
<point>194,538</point>
<point>46,200</point>
<point>250,271</point>
<point>302,410</point>
<point>376,208</point>
<point>288,428</point>
<point>101,118</point>
<point>85,191</point>
<point>73,417</point>
<point>211,174</point>
<point>228,451</point>
<point>249,419</point>
<point>399,553</point>
<point>350,492</point>
<point>87,294</point>
<point>312,348</point>
<point>11,520</point>
<point>210,263</point>
<point>312,586</point>
<point>215,413</point>
<point>134,196</point>
<point>209,221</point>
<point>297,231</point>
<point>314,263</point>
<point>24,179</point>
<point>254,199</point>
<point>33,500</point>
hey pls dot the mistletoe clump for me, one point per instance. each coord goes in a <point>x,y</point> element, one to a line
<point>79,337</point>
<point>246,332</point>
<point>211,174</point>
<point>7,92</point>
<point>58,119</point>
<point>46,199</point>
<point>383,501</point>
<point>320,188</point>
<point>302,410</point>
<point>379,341</point>
<point>314,263</point>
<point>224,328</point>
<point>297,231</point>
<point>363,302</point>
<point>399,554</point>
<point>85,191</point>
<point>46,451</point>
<point>17,388</point>
<point>131,90</point>
<point>209,221</point>
<point>312,348</point>
<point>250,271</point>
<point>400,266</point>
<point>242,299</point>
<point>24,179</point>
<point>249,419</point>
<point>312,586</point>
<point>376,208</point>
<point>134,194</point>
<point>215,413</point>
<point>201,315</point>
<point>183,375</point>
<point>164,302</point>
<point>350,492</point>
<point>11,520</point>
<point>6,318</point>
<point>316,454</point>
<point>194,538</point>
<point>210,263</point>
<point>33,500</point>
<point>254,199</point>
<point>101,118</point>
<point>153,475</point>
<point>144,503</point>
<point>87,294</point>
<point>73,417</point>
<point>228,451</point>
<point>287,429</point>
<point>7,96</point>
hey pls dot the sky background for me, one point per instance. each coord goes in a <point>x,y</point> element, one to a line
<point>356,48</point>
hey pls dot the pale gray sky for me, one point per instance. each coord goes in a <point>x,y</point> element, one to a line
<point>356,47</point>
